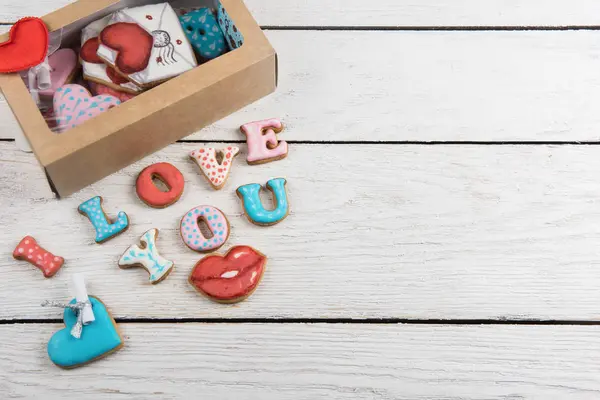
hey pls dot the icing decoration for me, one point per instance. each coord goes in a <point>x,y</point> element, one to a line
<point>104,231</point>
<point>147,257</point>
<point>29,250</point>
<point>216,222</point>
<point>231,278</point>
<point>216,173</point>
<point>204,33</point>
<point>132,43</point>
<point>94,69</point>
<point>74,105</point>
<point>263,146</point>
<point>153,196</point>
<point>255,212</point>
<point>235,38</point>
<point>98,339</point>
<point>26,47</point>
<point>63,66</point>
<point>167,48</point>
<point>103,90</point>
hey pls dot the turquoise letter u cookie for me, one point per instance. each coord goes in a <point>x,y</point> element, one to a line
<point>256,212</point>
<point>98,339</point>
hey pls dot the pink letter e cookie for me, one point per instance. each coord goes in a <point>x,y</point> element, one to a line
<point>263,146</point>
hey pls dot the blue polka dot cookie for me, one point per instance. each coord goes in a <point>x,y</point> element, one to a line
<point>216,222</point>
<point>105,230</point>
<point>204,33</point>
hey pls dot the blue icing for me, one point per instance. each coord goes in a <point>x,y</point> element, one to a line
<point>254,208</point>
<point>203,32</point>
<point>97,338</point>
<point>233,36</point>
<point>104,231</point>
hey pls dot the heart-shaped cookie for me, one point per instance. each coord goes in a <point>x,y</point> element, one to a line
<point>232,278</point>
<point>103,90</point>
<point>133,44</point>
<point>63,66</point>
<point>74,105</point>
<point>98,339</point>
<point>89,54</point>
<point>26,47</point>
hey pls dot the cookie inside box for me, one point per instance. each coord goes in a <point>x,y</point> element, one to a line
<point>124,51</point>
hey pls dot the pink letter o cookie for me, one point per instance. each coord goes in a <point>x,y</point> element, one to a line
<point>216,222</point>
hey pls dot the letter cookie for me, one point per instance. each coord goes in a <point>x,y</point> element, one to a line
<point>104,231</point>
<point>98,339</point>
<point>216,222</point>
<point>263,146</point>
<point>153,196</point>
<point>29,250</point>
<point>230,278</point>
<point>74,105</point>
<point>215,173</point>
<point>147,257</point>
<point>255,212</point>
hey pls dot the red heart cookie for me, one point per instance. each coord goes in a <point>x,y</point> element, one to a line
<point>89,54</point>
<point>26,47</point>
<point>133,44</point>
<point>229,279</point>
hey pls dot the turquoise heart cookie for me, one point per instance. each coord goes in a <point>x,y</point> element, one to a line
<point>98,339</point>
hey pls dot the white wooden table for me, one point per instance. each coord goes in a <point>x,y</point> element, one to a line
<point>444,239</point>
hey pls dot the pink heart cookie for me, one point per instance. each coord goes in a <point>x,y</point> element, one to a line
<point>100,89</point>
<point>63,66</point>
<point>74,105</point>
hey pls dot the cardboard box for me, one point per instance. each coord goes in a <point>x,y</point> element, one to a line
<point>125,134</point>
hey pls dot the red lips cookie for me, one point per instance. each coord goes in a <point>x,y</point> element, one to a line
<point>27,46</point>
<point>231,278</point>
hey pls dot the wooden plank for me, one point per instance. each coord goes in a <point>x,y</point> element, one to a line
<point>467,86</point>
<point>333,362</point>
<point>477,232</point>
<point>385,13</point>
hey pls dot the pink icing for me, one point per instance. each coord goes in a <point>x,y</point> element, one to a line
<point>74,105</point>
<point>216,222</point>
<point>262,140</point>
<point>62,64</point>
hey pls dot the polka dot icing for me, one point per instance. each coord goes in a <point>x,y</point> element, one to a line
<point>104,230</point>
<point>192,235</point>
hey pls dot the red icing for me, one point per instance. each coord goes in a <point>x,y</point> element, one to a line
<point>133,43</point>
<point>29,250</point>
<point>150,194</point>
<point>100,89</point>
<point>114,76</point>
<point>26,47</point>
<point>207,275</point>
<point>89,51</point>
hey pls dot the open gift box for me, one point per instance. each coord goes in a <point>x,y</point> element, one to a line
<point>162,115</point>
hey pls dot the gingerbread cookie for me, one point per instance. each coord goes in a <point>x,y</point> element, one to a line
<point>99,89</point>
<point>98,338</point>
<point>234,37</point>
<point>63,68</point>
<point>153,196</point>
<point>29,250</point>
<point>74,105</point>
<point>147,257</point>
<point>94,69</point>
<point>217,224</point>
<point>104,230</point>
<point>230,278</point>
<point>263,146</point>
<point>144,58</point>
<point>204,33</point>
<point>255,212</point>
<point>216,171</point>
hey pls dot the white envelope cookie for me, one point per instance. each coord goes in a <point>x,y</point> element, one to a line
<point>153,54</point>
